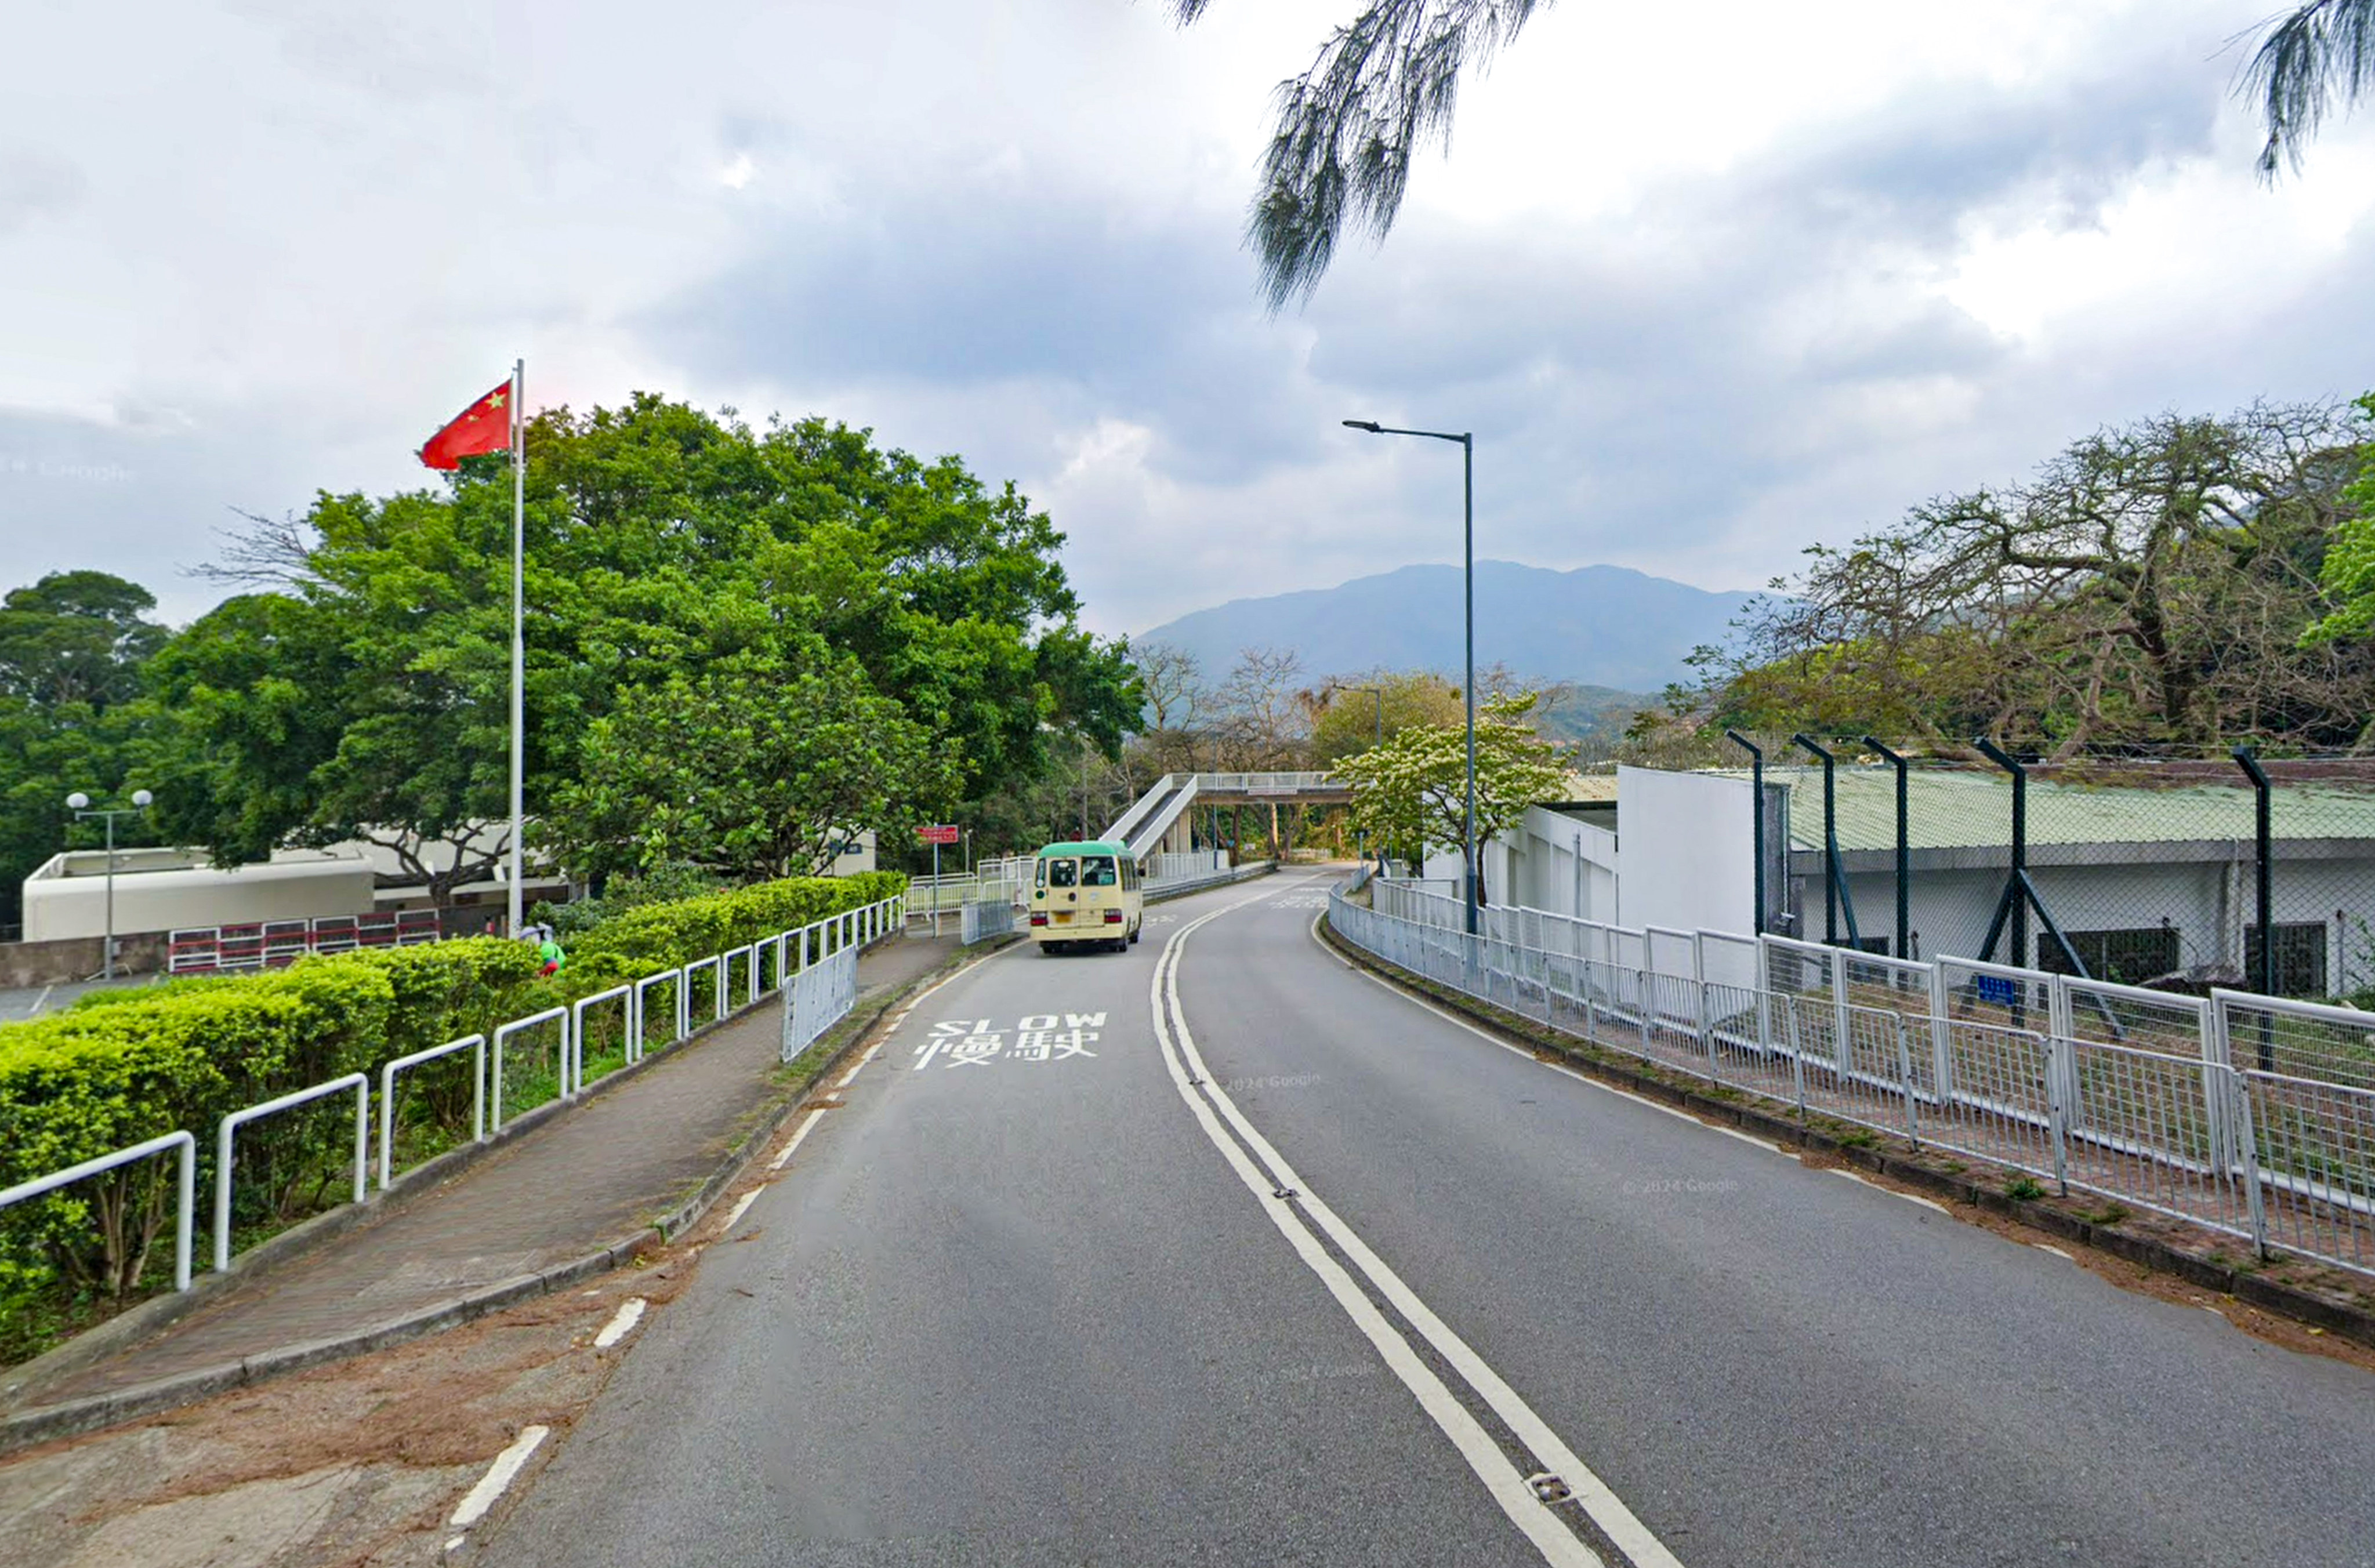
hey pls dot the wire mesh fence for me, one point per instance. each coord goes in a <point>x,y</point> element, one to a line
<point>2126,1093</point>
<point>2180,874</point>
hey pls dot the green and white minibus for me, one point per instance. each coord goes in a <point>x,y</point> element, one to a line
<point>1085,896</point>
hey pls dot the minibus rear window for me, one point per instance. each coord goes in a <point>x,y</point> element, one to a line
<point>1097,871</point>
<point>1062,873</point>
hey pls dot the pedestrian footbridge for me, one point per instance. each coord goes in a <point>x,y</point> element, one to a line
<point>1159,819</point>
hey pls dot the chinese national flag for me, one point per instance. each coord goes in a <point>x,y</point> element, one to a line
<point>484,426</point>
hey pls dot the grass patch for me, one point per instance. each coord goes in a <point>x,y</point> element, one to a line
<point>2024,1189</point>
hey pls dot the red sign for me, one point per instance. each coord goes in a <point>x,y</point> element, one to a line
<point>943,833</point>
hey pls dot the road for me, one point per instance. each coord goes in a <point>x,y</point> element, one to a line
<point>1048,1306</point>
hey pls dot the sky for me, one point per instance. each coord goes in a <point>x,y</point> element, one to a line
<point>1707,291</point>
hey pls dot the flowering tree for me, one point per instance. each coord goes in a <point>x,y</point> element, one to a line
<point>1413,791</point>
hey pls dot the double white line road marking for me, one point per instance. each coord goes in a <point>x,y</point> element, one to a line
<point>1303,1218</point>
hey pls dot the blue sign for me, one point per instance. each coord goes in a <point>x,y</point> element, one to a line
<point>1996,988</point>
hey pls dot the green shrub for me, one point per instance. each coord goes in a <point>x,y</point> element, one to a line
<point>124,1065</point>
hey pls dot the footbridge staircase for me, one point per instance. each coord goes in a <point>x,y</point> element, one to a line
<point>1160,815</point>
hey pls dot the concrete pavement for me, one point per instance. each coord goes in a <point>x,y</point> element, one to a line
<point>1026,1308</point>
<point>569,1198</point>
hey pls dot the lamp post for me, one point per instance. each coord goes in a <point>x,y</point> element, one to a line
<point>80,804</point>
<point>1467,440</point>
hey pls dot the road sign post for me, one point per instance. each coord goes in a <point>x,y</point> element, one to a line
<point>936,834</point>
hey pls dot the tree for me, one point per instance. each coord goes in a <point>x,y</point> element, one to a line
<point>1411,792</point>
<point>369,694</point>
<point>2151,584</point>
<point>1263,711</point>
<point>1387,82</point>
<point>73,650</point>
<point>1348,717</point>
<point>77,637</point>
<point>2347,574</point>
<point>752,767</point>
<point>2319,52</point>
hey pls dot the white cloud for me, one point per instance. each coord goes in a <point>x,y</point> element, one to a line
<point>1703,295</point>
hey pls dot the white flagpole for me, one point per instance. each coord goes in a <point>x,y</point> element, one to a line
<point>519,645</point>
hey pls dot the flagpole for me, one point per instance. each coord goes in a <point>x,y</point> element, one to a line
<point>519,645</point>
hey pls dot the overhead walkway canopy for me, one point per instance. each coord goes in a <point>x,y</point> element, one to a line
<point>1151,819</point>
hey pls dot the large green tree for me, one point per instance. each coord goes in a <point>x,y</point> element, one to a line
<point>369,691</point>
<point>753,766</point>
<point>72,649</point>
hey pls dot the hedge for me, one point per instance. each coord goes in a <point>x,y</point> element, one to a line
<point>124,1065</point>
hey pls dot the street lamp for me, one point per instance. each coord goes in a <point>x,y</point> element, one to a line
<point>80,804</point>
<point>1467,440</point>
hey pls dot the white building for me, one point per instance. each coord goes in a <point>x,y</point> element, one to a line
<point>2143,881</point>
<point>159,890</point>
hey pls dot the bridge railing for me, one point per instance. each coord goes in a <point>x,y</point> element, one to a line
<point>1953,1055</point>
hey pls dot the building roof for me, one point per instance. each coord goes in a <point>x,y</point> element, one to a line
<point>1956,809</point>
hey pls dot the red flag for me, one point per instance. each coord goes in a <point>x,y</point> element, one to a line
<point>484,426</point>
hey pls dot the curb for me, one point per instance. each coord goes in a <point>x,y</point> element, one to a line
<point>2351,1322</point>
<point>76,1418</point>
<point>159,1312</point>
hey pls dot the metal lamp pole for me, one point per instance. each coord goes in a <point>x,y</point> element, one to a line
<point>80,804</point>
<point>1467,440</point>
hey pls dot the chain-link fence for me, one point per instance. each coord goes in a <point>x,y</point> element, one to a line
<point>2178,876</point>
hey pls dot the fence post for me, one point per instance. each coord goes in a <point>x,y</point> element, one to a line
<point>1755,832</point>
<point>1941,1037</point>
<point>2240,1087</point>
<point>1905,1076</point>
<point>2058,1078</point>
<point>1904,855</point>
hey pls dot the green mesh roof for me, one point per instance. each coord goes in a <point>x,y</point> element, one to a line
<point>1956,809</point>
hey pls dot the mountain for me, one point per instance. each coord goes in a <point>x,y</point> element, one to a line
<point>1604,626</point>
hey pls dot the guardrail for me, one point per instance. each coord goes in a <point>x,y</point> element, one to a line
<point>2005,1071</point>
<point>983,920</point>
<point>818,996</point>
<point>835,941</point>
<point>270,944</point>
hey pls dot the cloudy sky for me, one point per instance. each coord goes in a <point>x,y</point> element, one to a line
<point>1706,290</point>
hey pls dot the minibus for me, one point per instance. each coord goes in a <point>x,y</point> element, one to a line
<point>1085,896</point>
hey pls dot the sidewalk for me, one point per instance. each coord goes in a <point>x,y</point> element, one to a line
<point>597,1178</point>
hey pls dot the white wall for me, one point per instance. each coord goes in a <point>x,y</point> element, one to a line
<point>1691,844</point>
<point>160,891</point>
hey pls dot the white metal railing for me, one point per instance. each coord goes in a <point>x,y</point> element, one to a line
<point>1979,1058</point>
<point>983,920</point>
<point>818,996</point>
<point>836,939</point>
<point>387,1096</point>
<point>230,1126</point>
<point>185,1209</point>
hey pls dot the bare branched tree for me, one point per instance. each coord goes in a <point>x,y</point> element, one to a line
<point>267,552</point>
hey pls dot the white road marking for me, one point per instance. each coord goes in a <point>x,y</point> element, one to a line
<point>741,1207</point>
<point>794,1142</point>
<point>1862,1179</point>
<point>473,1508</point>
<point>40,999</point>
<point>1505,1483</point>
<point>1560,1068</point>
<point>2055,1250</point>
<point>624,1321</point>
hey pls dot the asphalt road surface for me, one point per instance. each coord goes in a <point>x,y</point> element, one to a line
<point>1220,1252</point>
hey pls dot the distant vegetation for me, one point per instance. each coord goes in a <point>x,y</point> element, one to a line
<point>2180,583</point>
